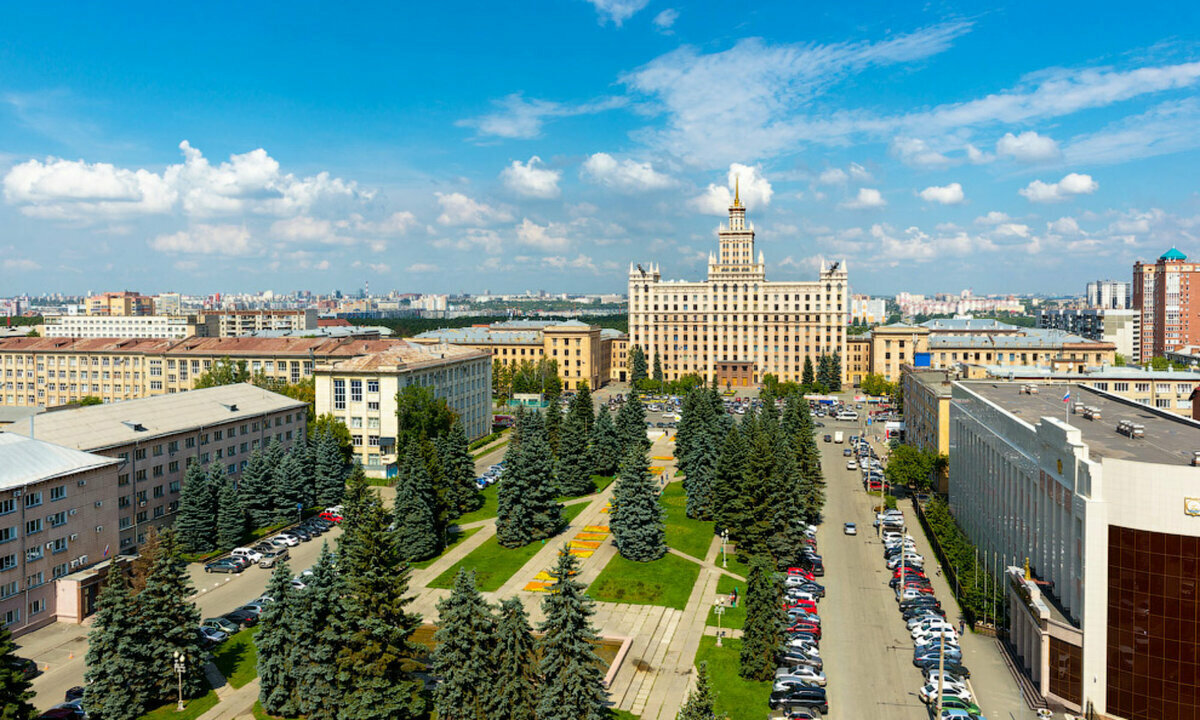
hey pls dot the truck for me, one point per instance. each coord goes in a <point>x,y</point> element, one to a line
<point>839,437</point>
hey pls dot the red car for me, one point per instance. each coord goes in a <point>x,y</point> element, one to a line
<point>330,516</point>
<point>801,572</point>
<point>806,604</point>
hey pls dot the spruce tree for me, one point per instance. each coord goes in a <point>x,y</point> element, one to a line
<point>658,368</point>
<point>762,633</point>
<point>273,457</point>
<point>195,518</point>
<point>416,529</point>
<point>754,529</point>
<point>808,377</point>
<point>254,487</point>
<point>462,657</point>
<point>438,491</point>
<point>231,519</point>
<point>786,508</point>
<point>701,700</point>
<point>725,492</point>
<point>514,665</point>
<point>169,620</point>
<point>459,467</point>
<point>278,630</point>
<point>605,444</point>
<point>697,456</point>
<point>552,422</point>
<point>637,517</point>
<point>359,503</point>
<point>574,467</point>
<point>330,470</point>
<point>527,510</point>
<point>631,425</point>
<point>14,688</point>
<point>114,675</point>
<point>287,481</point>
<point>374,626</point>
<point>581,406</point>
<point>314,661</point>
<point>572,681</point>
<point>835,372</point>
<point>637,366</point>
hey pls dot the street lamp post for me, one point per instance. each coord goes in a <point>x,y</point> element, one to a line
<point>180,664</point>
<point>719,610</point>
<point>724,557</point>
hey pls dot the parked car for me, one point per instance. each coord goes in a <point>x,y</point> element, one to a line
<point>286,540</point>
<point>210,637</point>
<point>828,438</point>
<point>219,623</point>
<point>243,617</point>
<point>273,556</point>
<point>249,553</point>
<point>25,666</point>
<point>850,529</point>
<point>800,697</point>
<point>801,675</point>
<point>74,693</point>
<point>954,667</point>
<point>929,693</point>
<point>227,565</point>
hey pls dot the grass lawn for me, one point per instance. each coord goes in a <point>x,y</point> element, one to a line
<point>738,698</point>
<point>667,581</point>
<point>624,715</point>
<point>734,617</point>
<point>494,564</point>
<point>237,657</point>
<point>489,506</point>
<point>455,538</point>
<point>735,565</point>
<point>683,533</point>
<point>260,714</point>
<point>192,709</point>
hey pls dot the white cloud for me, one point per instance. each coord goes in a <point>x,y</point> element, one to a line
<point>918,153</point>
<point>1166,128</point>
<point>206,240</point>
<point>624,175</point>
<point>666,19</point>
<point>516,117</point>
<point>866,199</point>
<point>74,189</point>
<point>860,173</point>
<point>421,268</point>
<point>1012,230</point>
<point>975,156</point>
<point>303,229</point>
<point>1072,184</point>
<point>531,179</point>
<point>833,176</point>
<point>617,11</point>
<point>551,237</point>
<point>21,264</point>
<point>1064,226</point>
<point>1028,147</point>
<point>994,217</point>
<point>398,223</point>
<point>579,262</point>
<point>458,209</point>
<point>951,194</point>
<point>472,239</point>
<point>753,190</point>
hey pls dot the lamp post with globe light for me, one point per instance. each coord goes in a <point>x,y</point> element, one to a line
<point>180,665</point>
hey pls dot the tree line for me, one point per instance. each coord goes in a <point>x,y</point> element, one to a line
<point>526,376</point>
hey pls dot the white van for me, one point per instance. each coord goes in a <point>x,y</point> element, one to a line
<point>847,415</point>
<point>839,437</point>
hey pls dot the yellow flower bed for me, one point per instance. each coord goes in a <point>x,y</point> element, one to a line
<point>596,528</point>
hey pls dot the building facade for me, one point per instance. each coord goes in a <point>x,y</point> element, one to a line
<point>1109,528</point>
<point>1162,295</point>
<point>58,516</point>
<point>737,326</point>
<point>119,303</point>
<point>866,310</point>
<point>1122,328</point>
<point>123,326</point>
<point>362,391</point>
<point>927,412</point>
<point>238,323</point>
<point>1110,294</point>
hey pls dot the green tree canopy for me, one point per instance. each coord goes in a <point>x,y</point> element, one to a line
<point>421,415</point>
<point>465,642</point>
<point>637,517</point>
<point>223,372</point>
<point>573,683</point>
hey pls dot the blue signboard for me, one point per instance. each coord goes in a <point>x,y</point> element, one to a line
<point>921,359</point>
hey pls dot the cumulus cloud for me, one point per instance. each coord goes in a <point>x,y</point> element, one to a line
<point>250,182</point>
<point>866,199</point>
<point>617,11</point>
<point>551,237</point>
<point>421,268</point>
<point>754,191</point>
<point>833,176</point>
<point>665,20</point>
<point>473,239</point>
<point>860,173</point>
<point>579,262</point>
<point>398,223</point>
<point>994,217</point>
<point>975,156</point>
<point>516,117</point>
<point>951,194</point>
<point>21,264</point>
<point>458,209</point>
<point>1064,226</point>
<point>623,175</point>
<point>1028,147</point>
<point>206,240</point>
<point>303,229</point>
<point>918,153</point>
<point>1071,185</point>
<point>531,179</point>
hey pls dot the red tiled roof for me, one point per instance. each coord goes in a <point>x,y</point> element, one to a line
<point>333,322</point>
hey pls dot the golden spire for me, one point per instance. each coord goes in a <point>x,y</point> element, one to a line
<point>736,190</point>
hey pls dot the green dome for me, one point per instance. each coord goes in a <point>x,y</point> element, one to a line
<point>1173,254</point>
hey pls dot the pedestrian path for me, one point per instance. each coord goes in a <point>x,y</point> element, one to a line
<point>236,704</point>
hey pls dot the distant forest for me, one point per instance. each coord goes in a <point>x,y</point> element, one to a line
<point>23,320</point>
<point>407,327</point>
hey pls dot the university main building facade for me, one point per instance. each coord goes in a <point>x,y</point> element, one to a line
<point>737,326</point>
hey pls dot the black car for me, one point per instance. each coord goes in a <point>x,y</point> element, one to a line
<point>301,532</point>
<point>27,667</point>
<point>224,566</point>
<point>75,693</point>
<point>799,697</point>
<point>924,601</point>
<point>828,438</point>
<point>242,617</point>
<point>951,667</point>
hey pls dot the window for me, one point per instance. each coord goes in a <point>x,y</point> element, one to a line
<point>58,519</point>
<point>173,466</point>
<point>189,442</point>
<point>60,571</point>
<point>173,487</point>
<point>356,391</point>
<point>1121,387</point>
<point>36,607</point>
<point>58,493</point>
<point>8,506</point>
<point>60,545</point>
<point>8,562</point>
<point>35,580</point>
<point>6,591</point>
<point>1141,387</point>
<point>372,386</point>
<point>1162,402</point>
<point>33,499</point>
<point>373,405</point>
<point>339,394</point>
<point>218,435</point>
<point>356,440</point>
<point>33,526</point>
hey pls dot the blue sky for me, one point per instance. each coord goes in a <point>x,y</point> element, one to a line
<point>453,147</point>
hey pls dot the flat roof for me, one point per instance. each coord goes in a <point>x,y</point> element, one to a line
<point>1170,439</point>
<point>1107,373</point>
<point>97,427</point>
<point>408,356</point>
<point>29,461</point>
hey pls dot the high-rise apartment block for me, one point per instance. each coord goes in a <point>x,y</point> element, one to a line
<point>120,303</point>
<point>1162,294</point>
<point>1109,294</point>
<point>737,326</point>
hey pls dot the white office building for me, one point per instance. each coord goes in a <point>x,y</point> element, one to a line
<point>121,326</point>
<point>1110,294</point>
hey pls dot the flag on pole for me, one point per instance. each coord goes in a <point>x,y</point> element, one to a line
<point>1067,397</point>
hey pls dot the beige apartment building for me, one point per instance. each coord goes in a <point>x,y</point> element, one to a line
<point>236,323</point>
<point>58,516</point>
<point>154,439</point>
<point>119,303</point>
<point>736,326</point>
<point>361,392</point>
<point>927,412</point>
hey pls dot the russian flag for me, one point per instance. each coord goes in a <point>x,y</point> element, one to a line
<point>1067,397</point>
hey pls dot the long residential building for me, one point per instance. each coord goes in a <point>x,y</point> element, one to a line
<point>1122,328</point>
<point>123,326</point>
<point>736,326</point>
<point>361,391</point>
<point>237,323</point>
<point>119,303</point>
<point>1094,525</point>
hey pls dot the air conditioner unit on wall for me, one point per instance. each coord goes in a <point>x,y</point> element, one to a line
<point>99,528</point>
<point>72,511</point>
<point>74,536</point>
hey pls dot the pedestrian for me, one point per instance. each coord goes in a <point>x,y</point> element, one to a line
<point>962,626</point>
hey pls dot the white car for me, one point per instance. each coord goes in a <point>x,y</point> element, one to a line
<point>930,626</point>
<point>934,637</point>
<point>288,540</point>
<point>851,465</point>
<point>804,675</point>
<point>850,529</point>
<point>929,693</point>
<point>249,553</point>
<point>931,676</point>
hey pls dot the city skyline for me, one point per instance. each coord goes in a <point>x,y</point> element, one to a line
<point>327,153</point>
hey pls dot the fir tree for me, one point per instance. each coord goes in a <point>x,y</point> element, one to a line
<point>278,629</point>
<point>637,366</point>
<point>216,480</point>
<point>698,453</point>
<point>658,368</point>
<point>527,510</point>
<point>835,373</point>
<point>231,519</point>
<point>287,480</point>
<point>808,377</point>
<point>464,644</point>
<point>329,469</point>
<point>573,683</point>
<point>169,620</point>
<point>606,444</point>
<point>701,700</point>
<point>116,685</point>
<point>14,688</point>
<point>514,665</point>
<point>725,492</point>
<point>581,406</point>
<point>574,468</point>
<point>762,634</point>
<point>631,425</point>
<point>374,626</point>
<point>359,503</point>
<point>637,518</point>
<point>552,423</point>
<point>314,661</point>
<point>459,468</point>
<point>194,520</point>
<point>416,529</point>
<point>437,490</point>
<point>254,490</point>
<point>786,508</point>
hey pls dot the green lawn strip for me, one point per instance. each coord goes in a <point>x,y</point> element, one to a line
<point>260,714</point>
<point>667,581</point>
<point>455,538</point>
<point>602,482</point>
<point>735,566</point>
<point>683,533</point>
<point>192,709</point>
<point>488,510</point>
<point>739,699</point>
<point>237,657</point>
<point>489,449</point>
<point>624,715</point>
<point>494,564</point>
<point>734,617</point>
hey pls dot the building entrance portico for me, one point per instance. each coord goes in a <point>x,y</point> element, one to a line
<point>735,373</point>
